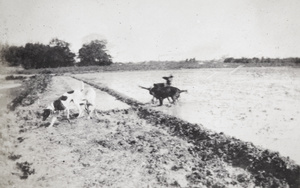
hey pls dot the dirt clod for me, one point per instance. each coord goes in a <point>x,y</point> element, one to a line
<point>26,169</point>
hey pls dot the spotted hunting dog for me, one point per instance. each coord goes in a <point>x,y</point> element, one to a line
<point>63,103</point>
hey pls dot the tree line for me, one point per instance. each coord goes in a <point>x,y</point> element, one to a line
<point>55,54</point>
<point>262,60</point>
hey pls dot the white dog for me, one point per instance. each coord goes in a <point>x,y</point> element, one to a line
<point>89,96</point>
<point>86,97</point>
<point>63,103</point>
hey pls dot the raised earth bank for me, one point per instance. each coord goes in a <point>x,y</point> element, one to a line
<point>135,147</point>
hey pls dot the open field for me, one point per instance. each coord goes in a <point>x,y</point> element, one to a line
<point>133,144</point>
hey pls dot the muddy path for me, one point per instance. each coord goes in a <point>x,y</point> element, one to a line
<point>129,145</point>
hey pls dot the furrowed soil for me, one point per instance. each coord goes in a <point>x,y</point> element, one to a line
<point>127,145</point>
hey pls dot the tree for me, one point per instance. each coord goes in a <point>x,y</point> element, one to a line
<point>94,53</point>
<point>229,60</point>
<point>55,42</point>
<point>3,50</point>
<point>13,55</point>
<point>60,54</point>
<point>56,54</point>
<point>36,55</point>
<point>33,55</point>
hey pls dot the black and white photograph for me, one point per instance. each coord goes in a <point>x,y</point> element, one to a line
<point>150,93</point>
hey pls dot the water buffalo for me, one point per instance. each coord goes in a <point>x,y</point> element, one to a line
<point>161,93</point>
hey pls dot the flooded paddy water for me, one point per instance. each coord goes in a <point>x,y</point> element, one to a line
<point>260,105</point>
<point>8,90</point>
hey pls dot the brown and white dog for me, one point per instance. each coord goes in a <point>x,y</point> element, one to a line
<point>63,103</point>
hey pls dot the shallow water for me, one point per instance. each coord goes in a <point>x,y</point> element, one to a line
<point>9,85</point>
<point>8,91</point>
<point>261,105</point>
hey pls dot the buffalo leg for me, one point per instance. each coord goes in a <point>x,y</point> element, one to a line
<point>160,102</point>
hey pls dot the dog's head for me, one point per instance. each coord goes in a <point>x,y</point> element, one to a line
<point>46,113</point>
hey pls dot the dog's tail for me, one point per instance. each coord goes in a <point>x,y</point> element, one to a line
<point>145,88</point>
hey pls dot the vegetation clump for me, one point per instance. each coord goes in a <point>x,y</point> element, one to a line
<point>263,61</point>
<point>14,157</point>
<point>26,169</point>
<point>12,77</point>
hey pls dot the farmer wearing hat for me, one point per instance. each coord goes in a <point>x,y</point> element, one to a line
<point>168,80</point>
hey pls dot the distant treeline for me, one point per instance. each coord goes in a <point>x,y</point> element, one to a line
<point>129,66</point>
<point>255,60</point>
<point>55,54</point>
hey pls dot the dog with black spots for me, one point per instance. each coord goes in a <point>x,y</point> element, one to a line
<point>63,103</point>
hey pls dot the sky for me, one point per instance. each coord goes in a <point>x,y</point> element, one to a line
<point>145,30</point>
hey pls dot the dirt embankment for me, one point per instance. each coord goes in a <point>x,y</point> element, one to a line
<point>137,147</point>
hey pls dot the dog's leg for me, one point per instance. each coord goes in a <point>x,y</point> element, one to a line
<point>153,100</point>
<point>52,121</point>
<point>91,111</point>
<point>68,113</point>
<point>88,110</point>
<point>79,108</point>
<point>69,121</point>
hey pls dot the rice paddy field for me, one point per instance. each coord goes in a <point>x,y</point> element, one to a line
<point>259,105</point>
<point>235,127</point>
